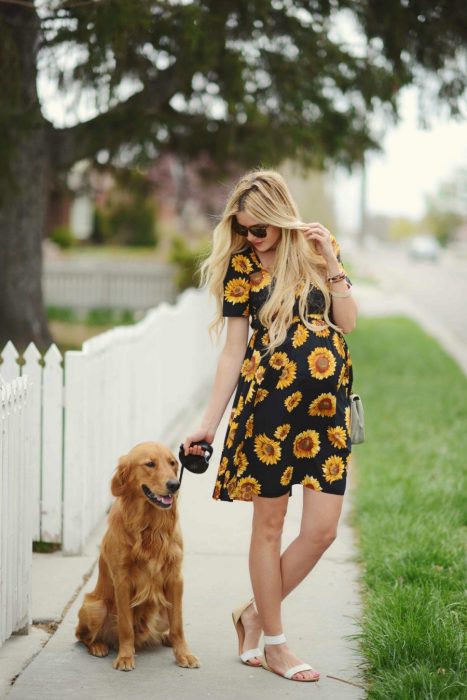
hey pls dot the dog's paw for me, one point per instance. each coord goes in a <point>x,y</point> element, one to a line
<point>187,660</point>
<point>124,663</point>
<point>98,649</point>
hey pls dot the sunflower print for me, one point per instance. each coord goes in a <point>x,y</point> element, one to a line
<point>250,365</point>
<point>322,363</point>
<point>300,335</point>
<point>337,436</point>
<point>347,418</point>
<point>223,466</point>
<point>237,291</point>
<point>247,488</point>
<point>306,444</point>
<point>251,392</point>
<point>239,408</point>
<point>320,327</point>
<point>311,483</point>
<point>259,280</point>
<point>217,489</point>
<point>260,396</point>
<point>286,476</point>
<point>289,425</point>
<point>259,374</point>
<point>231,435</point>
<point>324,406</point>
<point>339,344</point>
<point>267,450</point>
<point>238,450</point>
<point>344,376</point>
<point>232,487</point>
<point>288,374</point>
<point>282,431</point>
<point>240,263</point>
<point>279,360</point>
<point>293,400</point>
<point>333,468</point>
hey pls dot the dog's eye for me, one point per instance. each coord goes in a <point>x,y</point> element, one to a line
<point>173,462</point>
<point>151,463</point>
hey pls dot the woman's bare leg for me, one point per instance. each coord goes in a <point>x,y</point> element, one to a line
<point>266,578</point>
<point>318,528</point>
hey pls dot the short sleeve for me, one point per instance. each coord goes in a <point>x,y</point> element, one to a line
<point>236,294</point>
<point>337,249</point>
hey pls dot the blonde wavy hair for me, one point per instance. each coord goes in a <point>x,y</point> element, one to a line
<point>264,195</point>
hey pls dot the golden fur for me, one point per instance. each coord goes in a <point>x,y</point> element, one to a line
<point>137,600</point>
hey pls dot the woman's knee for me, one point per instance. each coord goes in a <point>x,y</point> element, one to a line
<point>268,523</point>
<point>321,537</point>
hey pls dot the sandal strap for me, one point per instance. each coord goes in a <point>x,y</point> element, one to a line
<point>274,639</point>
<point>296,669</point>
<point>250,654</point>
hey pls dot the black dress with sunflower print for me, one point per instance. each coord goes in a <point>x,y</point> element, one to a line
<point>290,419</point>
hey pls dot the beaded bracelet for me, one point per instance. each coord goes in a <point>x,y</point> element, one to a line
<point>337,278</point>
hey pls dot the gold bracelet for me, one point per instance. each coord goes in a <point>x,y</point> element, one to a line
<point>341,295</point>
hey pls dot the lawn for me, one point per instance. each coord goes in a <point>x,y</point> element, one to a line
<point>409,509</point>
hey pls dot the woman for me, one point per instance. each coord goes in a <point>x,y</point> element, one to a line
<point>290,419</point>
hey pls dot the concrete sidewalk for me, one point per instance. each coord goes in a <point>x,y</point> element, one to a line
<point>317,616</point>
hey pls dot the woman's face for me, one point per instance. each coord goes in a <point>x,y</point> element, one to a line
<point>261,244</point>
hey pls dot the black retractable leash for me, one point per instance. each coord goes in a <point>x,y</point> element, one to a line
<point>195,463</point>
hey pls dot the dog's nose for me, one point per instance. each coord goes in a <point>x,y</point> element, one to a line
<point>173,485</point>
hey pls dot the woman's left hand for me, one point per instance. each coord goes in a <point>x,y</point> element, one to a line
<point>322,238</point>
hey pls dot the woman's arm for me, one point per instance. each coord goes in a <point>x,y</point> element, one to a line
<point>343,306</point>
<point>226,379</point>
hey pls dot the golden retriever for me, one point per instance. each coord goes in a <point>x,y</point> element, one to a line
<point>137,600</point>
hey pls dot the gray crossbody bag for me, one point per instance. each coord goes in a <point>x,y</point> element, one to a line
<point>357,420</point>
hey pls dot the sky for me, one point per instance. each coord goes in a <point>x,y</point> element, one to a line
<point>412,164</point>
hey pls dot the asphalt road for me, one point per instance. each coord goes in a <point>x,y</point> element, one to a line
<point>438,288</point>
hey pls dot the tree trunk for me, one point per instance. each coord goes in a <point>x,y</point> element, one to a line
<point>24,199</point>
<point>22,218</point>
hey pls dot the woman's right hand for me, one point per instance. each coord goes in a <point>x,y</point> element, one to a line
<point>202,433</point>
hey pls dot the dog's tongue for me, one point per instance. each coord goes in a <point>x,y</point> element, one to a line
<point>166,499</point>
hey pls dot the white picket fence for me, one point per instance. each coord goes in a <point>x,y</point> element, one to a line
<point>127,385</point>
<point>15,502</point>
<point>89,283</point>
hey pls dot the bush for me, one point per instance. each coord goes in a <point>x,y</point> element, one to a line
<point>63,236</point>
<point>187,260</point>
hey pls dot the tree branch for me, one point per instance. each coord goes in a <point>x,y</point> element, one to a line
<point>114,127</point>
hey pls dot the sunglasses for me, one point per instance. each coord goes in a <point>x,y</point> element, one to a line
<point>258,230</point>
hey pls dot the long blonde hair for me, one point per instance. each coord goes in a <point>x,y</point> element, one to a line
<point>265,196</point>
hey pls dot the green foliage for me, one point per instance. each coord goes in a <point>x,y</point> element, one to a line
<point>93,317</point>
<point>129,216</point>
<point>290,86</point>
<point>409,507</point>
<point>447,209</point>
<point>187,260</point>
<point>63,236</point>
<point>402,227</point>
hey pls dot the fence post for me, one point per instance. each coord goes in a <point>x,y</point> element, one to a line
<point>75,439</point>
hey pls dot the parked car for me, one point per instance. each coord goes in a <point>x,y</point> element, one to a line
<point>424,248</point>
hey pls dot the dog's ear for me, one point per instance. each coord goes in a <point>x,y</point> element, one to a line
<point>120,478</point>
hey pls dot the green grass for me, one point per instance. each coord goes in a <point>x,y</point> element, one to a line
<point>409,505</point>
<point>93,317</point>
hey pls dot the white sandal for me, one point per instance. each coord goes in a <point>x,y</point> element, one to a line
<point>280,639</point>
<point>249,653</point>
